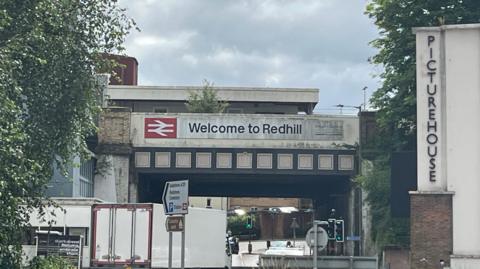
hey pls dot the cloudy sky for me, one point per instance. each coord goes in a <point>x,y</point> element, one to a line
<point>270,43</point>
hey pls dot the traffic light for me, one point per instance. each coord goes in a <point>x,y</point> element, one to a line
<point>339,230</point>
<point>249,224</point>
<point>331,229</point>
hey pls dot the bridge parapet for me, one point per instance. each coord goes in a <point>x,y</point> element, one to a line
<point>244,131</point>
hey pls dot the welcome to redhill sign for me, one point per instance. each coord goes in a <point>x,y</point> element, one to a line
<point>242,128</point>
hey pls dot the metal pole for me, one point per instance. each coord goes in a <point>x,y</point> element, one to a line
<point>273,223</point>
<point>294,236</point>
<point>315,245</point>
<point>360,160</point>
<point>170,239</point>
<point>250,241</point>
<point>364,98</point>
<point>80,252</point>
<point>183,243</point>
<point>36,245</point>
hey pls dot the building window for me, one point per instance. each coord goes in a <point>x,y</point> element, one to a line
<point>31,232</point>
<point>87,169</point>
<point>160,110</point>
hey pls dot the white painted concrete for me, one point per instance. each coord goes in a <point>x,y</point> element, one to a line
<point>220,203</point>
<point>231,94</point>
<point>462,48</point>
<point>104,181</point>
<point>77,215</point>
<point>233,108</point>
<point>460,134</point>
<point>111,183</point>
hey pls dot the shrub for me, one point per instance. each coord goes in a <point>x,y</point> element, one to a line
<point>50,262</point>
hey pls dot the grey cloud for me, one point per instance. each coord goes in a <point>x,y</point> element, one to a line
<point>282,43</point>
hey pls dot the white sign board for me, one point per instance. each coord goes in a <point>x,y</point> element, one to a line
<point>430,103</point>
<point>242,130</point>
<point>322,238</point>
<point>175,197</point>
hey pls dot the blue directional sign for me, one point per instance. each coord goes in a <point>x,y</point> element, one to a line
<point>175,197</point>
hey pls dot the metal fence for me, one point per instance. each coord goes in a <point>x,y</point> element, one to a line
<point>324,262</point>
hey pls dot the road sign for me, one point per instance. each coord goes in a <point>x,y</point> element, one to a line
<point>322,238</point>
<point>353,238</point>
<point>175,197</point>
<point>68,247</point>
<point>294,224</point>
<point>175,223</point>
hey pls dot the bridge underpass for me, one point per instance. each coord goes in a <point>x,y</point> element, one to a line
<point>326,191</point>
<point>265,147</point>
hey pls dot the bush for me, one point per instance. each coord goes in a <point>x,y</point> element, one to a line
<point>236,224</point>
<point>50,262</point>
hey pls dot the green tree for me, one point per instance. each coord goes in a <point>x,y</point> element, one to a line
<point>205,101</point>
<point>50,52</point>
<point>395,100</point>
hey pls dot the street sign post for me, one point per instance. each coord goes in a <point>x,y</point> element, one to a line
<point>175,202</point>
<point>294,226</point>
<point>175,197</point>
<point>175,223</point>
<point>317,239</point>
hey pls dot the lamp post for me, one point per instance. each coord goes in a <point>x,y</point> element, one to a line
<point>359,220</point>
<point>273,212</point>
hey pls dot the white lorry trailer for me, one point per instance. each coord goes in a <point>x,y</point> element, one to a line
<point>135,235</point>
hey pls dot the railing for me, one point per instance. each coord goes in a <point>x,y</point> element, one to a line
<point>324,262</point>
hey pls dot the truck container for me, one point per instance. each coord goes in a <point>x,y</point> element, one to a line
<point>135,235</point>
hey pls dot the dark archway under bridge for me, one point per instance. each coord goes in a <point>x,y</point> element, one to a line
<point>325,192</point>
<point>327,186</point>
<point>150,187</point>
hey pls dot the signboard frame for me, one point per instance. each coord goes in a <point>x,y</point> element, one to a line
<point>175,197</point>
<point>175,202</point>
<point>175,223</point>
<point>68,247</point>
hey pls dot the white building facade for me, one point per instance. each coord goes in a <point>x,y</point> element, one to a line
<point>448,105</point>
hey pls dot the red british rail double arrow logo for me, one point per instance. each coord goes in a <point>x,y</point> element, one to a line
<point>160,127</point>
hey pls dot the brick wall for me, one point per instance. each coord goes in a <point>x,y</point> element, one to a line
<point>395,257</point>
<point>114,131</point>
<point>430,229</point>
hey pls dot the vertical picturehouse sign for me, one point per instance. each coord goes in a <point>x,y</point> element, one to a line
<point>429,109</point>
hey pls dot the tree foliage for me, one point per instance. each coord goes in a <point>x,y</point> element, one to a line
<point>205,101</point>
<point>395,100</point>
<point>50,262</point>
<point>386,230</point>
<point>237,225</point>
<point>49,54</point>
